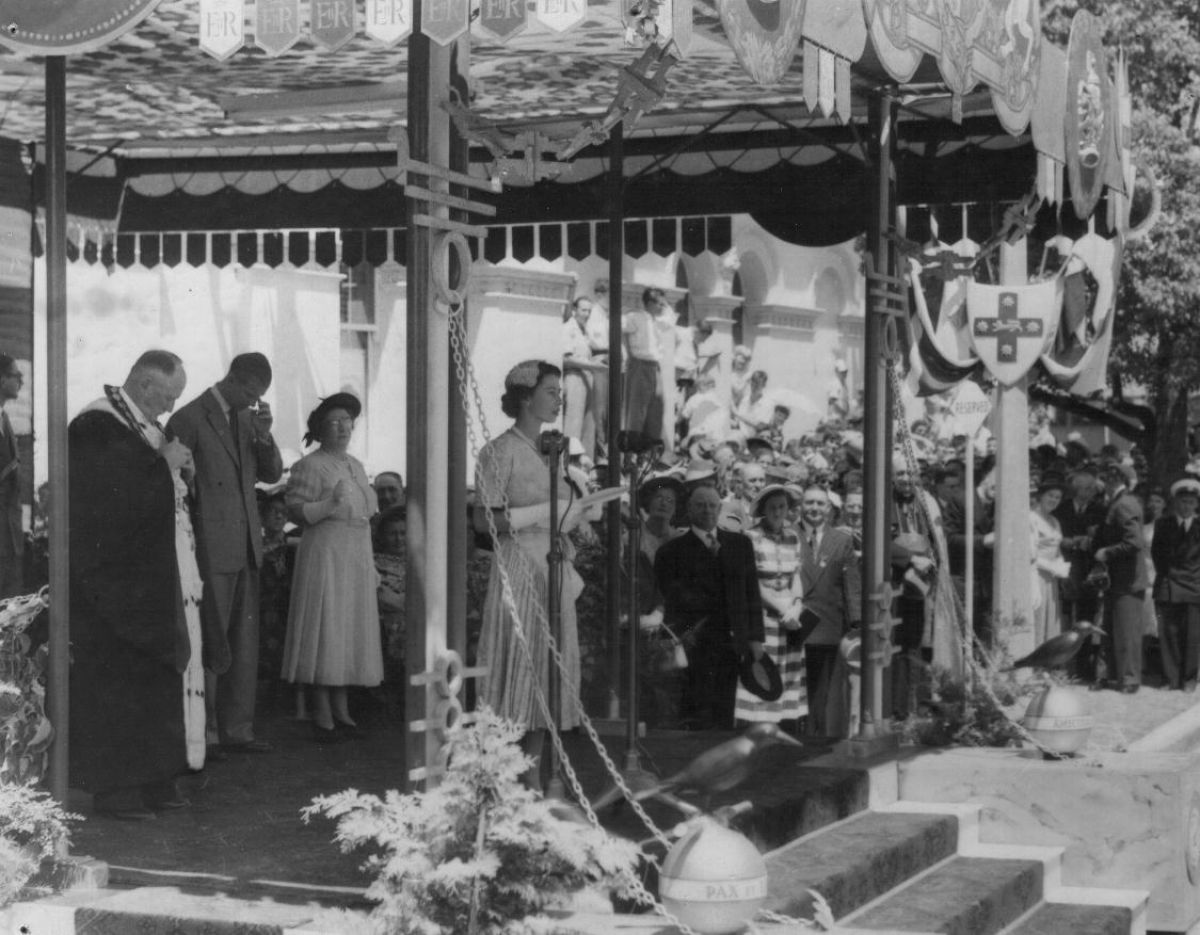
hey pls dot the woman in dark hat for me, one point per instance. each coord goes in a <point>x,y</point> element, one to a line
<point>1049,565</point>
<point>777,558</point>
<point>333,621</point>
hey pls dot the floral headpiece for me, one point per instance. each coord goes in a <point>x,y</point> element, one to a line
<point>523,374</point>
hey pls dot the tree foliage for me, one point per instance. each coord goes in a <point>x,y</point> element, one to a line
<point>1156,341</point>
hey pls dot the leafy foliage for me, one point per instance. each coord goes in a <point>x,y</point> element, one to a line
<point>480,845</point>
<point>962,713</point>
<point>32,828</point>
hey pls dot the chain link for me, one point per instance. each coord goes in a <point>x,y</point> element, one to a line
<point>642,895</point>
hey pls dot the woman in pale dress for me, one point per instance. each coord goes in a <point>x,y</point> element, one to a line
<point>1048,559</point>
<point>333,620</point>
<point>513,491</point>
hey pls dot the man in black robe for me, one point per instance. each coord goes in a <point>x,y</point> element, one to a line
<point>129,642</point>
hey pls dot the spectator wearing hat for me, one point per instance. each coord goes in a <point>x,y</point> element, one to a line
<point>660,678</point>
<point>1080,515</point>
<point>228,429</point>
<point>1049,564</point>
<point>777,558</point>
<point>709,582</point>
<point>831,584</point>
<point>333,636</point>
<point>1119,560</point>
<point>749,478</point>
<point>1176,554</point>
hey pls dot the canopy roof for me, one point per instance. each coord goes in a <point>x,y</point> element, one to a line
<point>160,128</point>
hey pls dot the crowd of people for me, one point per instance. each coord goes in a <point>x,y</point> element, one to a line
<point>200,566</point>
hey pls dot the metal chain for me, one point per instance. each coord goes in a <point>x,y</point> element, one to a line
<point>975,650</point>
<point>642,895</point>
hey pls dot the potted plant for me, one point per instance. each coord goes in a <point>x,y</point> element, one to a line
<point>480,852</point>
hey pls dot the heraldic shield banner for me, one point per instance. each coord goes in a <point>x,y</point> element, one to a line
<point>1011,326</point>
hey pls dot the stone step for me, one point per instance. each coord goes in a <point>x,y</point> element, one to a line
<point>1060,918</point>
<point>960,896</point>
<point>854,861</point>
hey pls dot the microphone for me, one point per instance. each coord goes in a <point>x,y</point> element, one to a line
<point>552,442</point>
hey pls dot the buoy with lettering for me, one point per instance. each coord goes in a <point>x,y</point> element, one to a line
<point>1058,718</point>
<point>713,880</point>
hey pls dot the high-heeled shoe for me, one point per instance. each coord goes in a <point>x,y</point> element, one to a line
<point>326,735</point>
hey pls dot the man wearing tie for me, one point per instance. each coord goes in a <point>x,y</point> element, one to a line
<point>12,536</point>
<point>233,448</point>
<point>831,583</point>
<point>1175,550</point>
<point>709,583</point>
<point>1120,558</point>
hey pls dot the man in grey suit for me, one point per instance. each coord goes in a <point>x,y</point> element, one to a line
<point>229,433</point>
<point>832,589</point>
<point>1175,550</point>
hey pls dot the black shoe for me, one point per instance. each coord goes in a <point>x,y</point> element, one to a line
<point>350,731</point>
<point>327,735</point>
<point>163,796</point>
<point>214,754</point>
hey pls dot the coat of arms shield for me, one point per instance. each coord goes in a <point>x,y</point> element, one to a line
<point>1011,326</point>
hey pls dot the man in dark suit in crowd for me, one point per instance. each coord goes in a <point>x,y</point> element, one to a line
<point>233,448</point>
<point>831,583</point>
<point>1176,554</point>
<point>1080,515</point>
<point>1120,557</point>
<point>709,583</point>
<point>959,539</point>
<point>12,533</point>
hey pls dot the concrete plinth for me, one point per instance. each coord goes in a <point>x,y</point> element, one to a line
<point>1124,820</point>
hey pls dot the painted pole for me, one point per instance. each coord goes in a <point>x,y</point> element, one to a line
<point>616,251</point>
<point>58,700</point>
<point>877,449</point>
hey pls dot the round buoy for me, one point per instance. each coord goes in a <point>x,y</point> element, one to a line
<point>1059,720</point>
<point>713,880</point>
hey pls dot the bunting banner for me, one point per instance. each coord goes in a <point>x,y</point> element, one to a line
<point>222,27</point>
<point>1089,123</point>
<point>560,15</point>
<point>502,19</point>
<point>764,36</point>
<point>1078,357</point>
<point>1011,326</point>
<point>277,27</point>
<point>445,21</point>
<point>941,355</point>
<point>332,23</point>
<point>388,21</point>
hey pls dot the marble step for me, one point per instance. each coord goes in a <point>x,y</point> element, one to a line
<point>1061,918</point>
<point>854,861</point>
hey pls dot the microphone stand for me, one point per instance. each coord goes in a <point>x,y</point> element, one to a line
<point>552,443</point>
<point>636,465</point>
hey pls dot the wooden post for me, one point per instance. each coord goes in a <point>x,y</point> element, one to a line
<point>1012,608</point>
<point>428,363</point>
<point>58,698</point>
<point>616,253</point>
<point>877,428</point>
